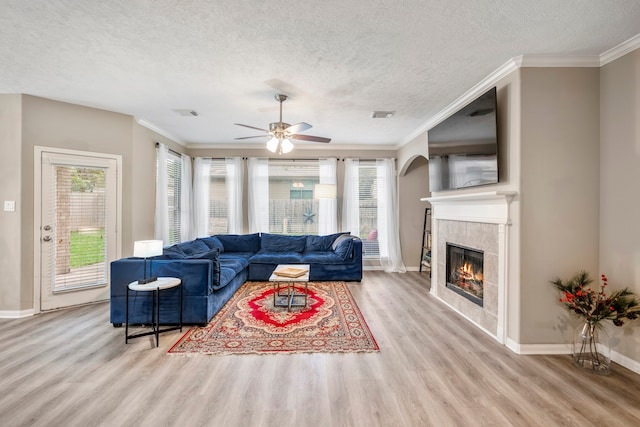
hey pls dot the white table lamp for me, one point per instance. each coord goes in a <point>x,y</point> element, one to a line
<point>145,249</point>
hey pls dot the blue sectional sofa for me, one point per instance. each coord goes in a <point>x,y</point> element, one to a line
<point>213,268</point>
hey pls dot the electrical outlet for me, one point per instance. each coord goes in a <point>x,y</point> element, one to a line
<point>9,205</point>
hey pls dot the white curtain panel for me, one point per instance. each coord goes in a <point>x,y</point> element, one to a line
<point>186,216</point>
<point>201,182</point>
<point>328,208</point>
<point>388,224</point>
<point>351,197</point>
<point>161,223</point>
<point>258,189</point>
<point>233,181</point>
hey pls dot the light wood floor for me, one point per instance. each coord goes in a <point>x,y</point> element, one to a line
<point>72,368</point>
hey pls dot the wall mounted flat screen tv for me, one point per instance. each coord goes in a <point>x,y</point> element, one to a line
<point>463,149</point>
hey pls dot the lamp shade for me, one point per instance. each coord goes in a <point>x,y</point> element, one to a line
<point>324,191</point>
<point>147,248</point>
<point>272,144</point>
<point>286,146</point>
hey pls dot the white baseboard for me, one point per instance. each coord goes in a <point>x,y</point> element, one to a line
<point>15,314</point>
<point>621,359</point>
<point>538,348</point>
<point>530,349</point>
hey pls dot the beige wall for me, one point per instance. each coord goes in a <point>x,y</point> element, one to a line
<point>12,295</point>
<point>619,178</point>
<point>413,186</point>
<point>559,192</point>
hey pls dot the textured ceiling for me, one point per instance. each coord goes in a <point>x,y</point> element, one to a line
<point>337,60</point>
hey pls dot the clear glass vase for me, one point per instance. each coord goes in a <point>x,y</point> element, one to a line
<point>591,348</point>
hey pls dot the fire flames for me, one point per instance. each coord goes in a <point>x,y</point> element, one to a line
<point>467,273</point>
<point>465,277</point>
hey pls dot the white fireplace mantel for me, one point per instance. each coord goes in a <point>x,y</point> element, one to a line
<point>488,207</point>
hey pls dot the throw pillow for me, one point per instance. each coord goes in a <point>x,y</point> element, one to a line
<point>282,243</point>
<point>210,254</point>
<point>173,252</point>
<point>212,242</point>
<point>321,243</point>
<point>339,240</point>
<point>240,242</point>
<point>344,248</point>
<point>193,247</point>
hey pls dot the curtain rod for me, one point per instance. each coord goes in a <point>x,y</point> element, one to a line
<point>172,151</point>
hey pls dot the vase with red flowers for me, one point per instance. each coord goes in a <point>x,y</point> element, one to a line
<point>591,349</point>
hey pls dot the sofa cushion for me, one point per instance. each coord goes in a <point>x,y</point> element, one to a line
<point>237,264</point>
<point>282,243</point>
<point>321,243</point>
<point>277,258</point>
<point>339,240</point>
<point>186,249</point>
<point>239,255</point>
<point>193,247</point>
<point>240,243</point>
<point>173,252</point>
<point>321,258</point>
<point>211,254</point>
<point>226,276</point>
<point>344,248</point>
<point>212,242</point>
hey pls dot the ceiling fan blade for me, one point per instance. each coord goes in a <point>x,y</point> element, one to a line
<point>298,127</point>
<point>249,137</point>
<point>310,138</point>
<point>251,127</point>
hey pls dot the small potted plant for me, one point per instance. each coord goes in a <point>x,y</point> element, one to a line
<point>595,306</point>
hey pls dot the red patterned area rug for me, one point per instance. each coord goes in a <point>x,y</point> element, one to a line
<point>249,323</point>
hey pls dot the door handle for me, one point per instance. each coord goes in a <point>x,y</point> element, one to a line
<point>47,238</point>
<point>46,228</point>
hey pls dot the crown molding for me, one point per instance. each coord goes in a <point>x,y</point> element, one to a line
<point>560,61</point>
<point>160,131</point>
<point>618,51</point>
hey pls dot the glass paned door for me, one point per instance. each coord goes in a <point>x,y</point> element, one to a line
<point>77,233</point>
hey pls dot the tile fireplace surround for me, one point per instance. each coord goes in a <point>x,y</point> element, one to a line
<point>477,221</point>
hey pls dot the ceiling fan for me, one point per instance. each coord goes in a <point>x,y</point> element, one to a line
<point>281,133</point>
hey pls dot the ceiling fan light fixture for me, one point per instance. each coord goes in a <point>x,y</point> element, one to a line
<point>272,144</point>
<point>281,132</point>
<point>286,146</point>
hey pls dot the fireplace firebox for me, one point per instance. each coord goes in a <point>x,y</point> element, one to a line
<point>465,274</point>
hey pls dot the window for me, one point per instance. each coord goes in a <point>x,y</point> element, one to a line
<point>174,185</point>
<point>168,195</point>
<point>218,200</point>
<point>282,199</point>
<point>292,208</point>
<point>368,208</point>
<point>218,196</point>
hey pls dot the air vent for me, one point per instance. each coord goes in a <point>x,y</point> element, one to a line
<point>382,114</point>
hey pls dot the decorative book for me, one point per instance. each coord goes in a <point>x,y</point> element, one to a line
<point>291,272</point>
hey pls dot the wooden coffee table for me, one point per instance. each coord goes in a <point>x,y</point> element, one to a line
<point>288,298</point>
